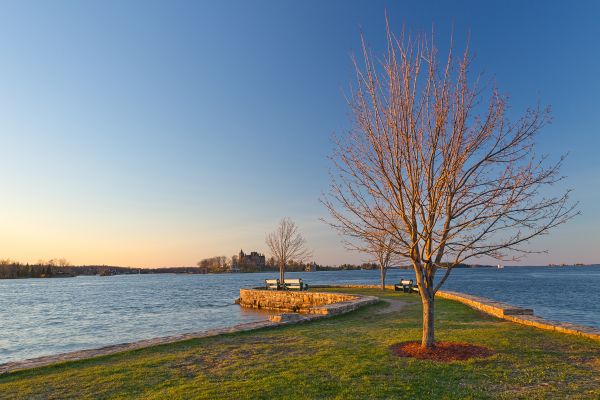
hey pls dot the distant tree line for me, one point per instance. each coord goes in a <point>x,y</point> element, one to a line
<point>223,264</point>
<point>215,264</point>
<point>57,268</point>
<point>10,269</point>
<point>60,268</point>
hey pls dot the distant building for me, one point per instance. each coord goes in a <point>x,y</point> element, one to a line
<point>203,270</point>
<point>312,267</point>
<point>254,260</point>
<point>234,266</point>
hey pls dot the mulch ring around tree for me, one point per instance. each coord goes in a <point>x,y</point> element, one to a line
<point>443,351</point>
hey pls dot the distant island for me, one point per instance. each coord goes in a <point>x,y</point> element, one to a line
<point>61,269</point>
<point>573,265</point>
<point>241,263</point>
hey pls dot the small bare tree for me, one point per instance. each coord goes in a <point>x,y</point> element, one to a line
<point>286,244</point>
<point>382,250</point>
<point>362,236</point>
<point>433,161</point>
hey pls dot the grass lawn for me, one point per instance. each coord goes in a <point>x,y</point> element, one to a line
<point>345,357</point>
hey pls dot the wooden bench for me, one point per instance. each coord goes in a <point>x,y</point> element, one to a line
<point>272,284</point>
<point>294,284</point>
<point>406,285</point>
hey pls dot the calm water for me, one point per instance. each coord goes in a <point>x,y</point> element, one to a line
<point>48,316</point>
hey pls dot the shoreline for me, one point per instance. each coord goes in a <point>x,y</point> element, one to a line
<point>523,316</point>
<point>78,355</point>
<point>174,270</point>
<point>284,319</point>
<point>519,315</point>
<point>494,308</point>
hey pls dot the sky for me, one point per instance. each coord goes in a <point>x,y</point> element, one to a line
<point>158,133</point>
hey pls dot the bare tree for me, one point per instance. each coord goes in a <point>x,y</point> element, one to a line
<point>63,262</point>
<point>382,250</point>
<point>214,264</point>
<point>287,244</point>
<point>363,237</point>
<point>433,161</point>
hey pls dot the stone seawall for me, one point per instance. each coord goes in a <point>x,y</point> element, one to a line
<point>519,315</point>
<point>303,302</point>
<point>488,306</point>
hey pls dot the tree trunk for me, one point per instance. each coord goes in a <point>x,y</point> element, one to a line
<point>382,272</point>
<point>428,340</point>
<point>281,273</point>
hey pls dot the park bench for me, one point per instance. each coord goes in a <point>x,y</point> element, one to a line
<point>272,284</point>
<point>406,285</point>
<point>294,284</point>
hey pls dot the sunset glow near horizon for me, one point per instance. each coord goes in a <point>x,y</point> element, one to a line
<point>154,134</point>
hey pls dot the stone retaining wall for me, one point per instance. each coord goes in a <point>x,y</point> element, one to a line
<point>302,302</point>
<point>519,315</point>
<point>488,306</point>
<point>523,316</point>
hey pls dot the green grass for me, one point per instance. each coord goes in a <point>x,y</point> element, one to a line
<point>346,357</point>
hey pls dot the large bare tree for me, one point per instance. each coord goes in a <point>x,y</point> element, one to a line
<point>433,161</point>
<point>286,244</point>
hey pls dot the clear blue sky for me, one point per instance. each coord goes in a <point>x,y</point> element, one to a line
<point>158,133</point>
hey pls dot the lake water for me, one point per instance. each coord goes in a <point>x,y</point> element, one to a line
<point>49,316</point>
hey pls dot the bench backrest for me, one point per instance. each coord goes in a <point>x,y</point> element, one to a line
<point>406,282</point>
<point>296,281</point>
<point>272,283</point>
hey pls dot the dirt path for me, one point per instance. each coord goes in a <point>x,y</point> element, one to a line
<point>394,306</point>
